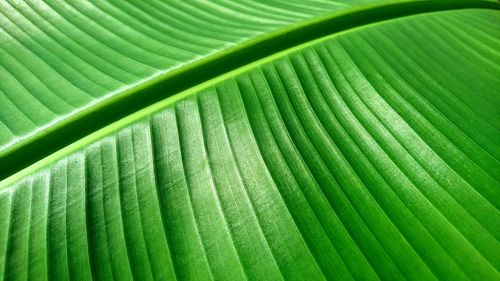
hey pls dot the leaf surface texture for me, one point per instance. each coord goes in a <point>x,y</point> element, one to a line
<point>369,154</point>
<point>61,58</point>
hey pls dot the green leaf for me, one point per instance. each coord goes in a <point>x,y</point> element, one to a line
<point>371,153</point>
<point>69,68</point>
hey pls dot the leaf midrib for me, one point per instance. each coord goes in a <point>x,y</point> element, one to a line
<point>205,71</point>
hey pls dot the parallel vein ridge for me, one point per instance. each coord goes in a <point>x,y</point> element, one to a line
<point>71,68</point>
<point>59,57</point>
<point>373,155</point>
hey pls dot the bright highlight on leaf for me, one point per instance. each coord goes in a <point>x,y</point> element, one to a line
<point>367,154</point>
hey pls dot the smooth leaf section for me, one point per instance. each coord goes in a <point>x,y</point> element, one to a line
<point>71,68</point>
<point>373,154</point>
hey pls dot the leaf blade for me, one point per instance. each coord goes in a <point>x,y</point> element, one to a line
<point>321,144</point>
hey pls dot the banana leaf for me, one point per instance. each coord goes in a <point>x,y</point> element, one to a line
<point>250,140</point>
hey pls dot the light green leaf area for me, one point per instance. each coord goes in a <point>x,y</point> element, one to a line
<point>59,59</point>
<point>371,154</point>
<point>69,68</point>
